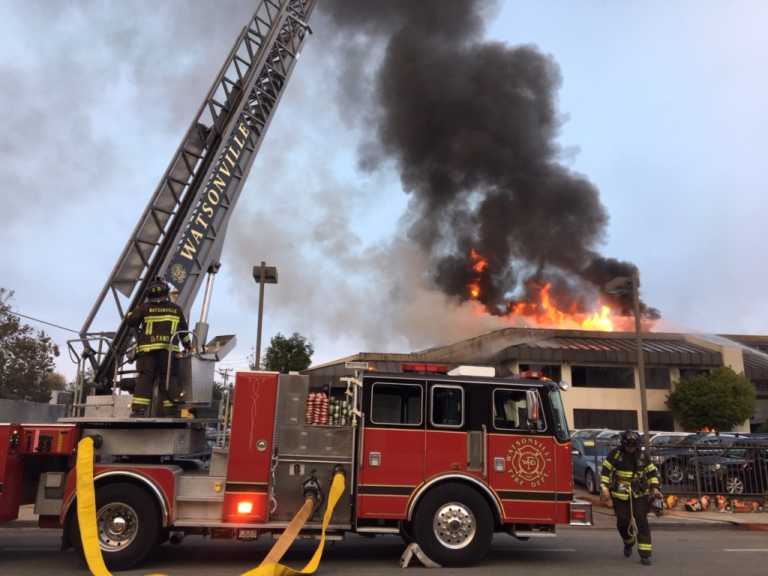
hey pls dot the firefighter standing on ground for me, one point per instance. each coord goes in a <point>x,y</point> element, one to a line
<point>157,321</point>
<point>630,478</point>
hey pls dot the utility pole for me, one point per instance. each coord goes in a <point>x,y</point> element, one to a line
<point>621,286</point>
<point>640,358</point>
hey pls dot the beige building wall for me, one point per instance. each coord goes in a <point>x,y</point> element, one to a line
<point>629,399</point>
<point>611,398</point>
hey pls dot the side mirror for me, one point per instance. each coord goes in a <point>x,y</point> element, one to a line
<point>534,408</point>
<point>575,452</point>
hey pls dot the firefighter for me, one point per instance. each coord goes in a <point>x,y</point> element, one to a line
<point>157,321</point>
<point>629,478</point>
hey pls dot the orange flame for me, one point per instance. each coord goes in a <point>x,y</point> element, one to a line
<point>479,265</point>
<point>546,312</point>
<point>543,310</point>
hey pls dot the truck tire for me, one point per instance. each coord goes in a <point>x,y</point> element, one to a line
<point>128,525</point>
<point>406,532</point>
<point>453,525</point>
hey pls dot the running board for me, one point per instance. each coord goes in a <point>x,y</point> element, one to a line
<point>533,531</point>
<point>377,530</point>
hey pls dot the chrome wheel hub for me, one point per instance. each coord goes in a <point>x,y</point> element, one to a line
<point>118,526</point>
<point>454,525</point>
<point>734,486</point>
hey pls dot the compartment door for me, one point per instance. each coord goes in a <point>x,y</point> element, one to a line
<point>391,459</point>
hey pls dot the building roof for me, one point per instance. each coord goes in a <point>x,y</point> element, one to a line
<point>621,348</point>
<point>555,346</point>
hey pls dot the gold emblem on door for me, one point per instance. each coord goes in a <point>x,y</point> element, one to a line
<point>529,462</point>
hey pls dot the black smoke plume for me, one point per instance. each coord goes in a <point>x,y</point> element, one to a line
<point>472,127</point>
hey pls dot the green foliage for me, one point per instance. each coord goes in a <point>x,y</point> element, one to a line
<point>26,358</point>
<point>718,401</point>
<point>287,354</point>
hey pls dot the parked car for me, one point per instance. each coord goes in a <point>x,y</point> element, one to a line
<point>660,439</point>
<point>586,432</point>
<point>672,460</point>
<point>741,468</point>
<point>588,455</point>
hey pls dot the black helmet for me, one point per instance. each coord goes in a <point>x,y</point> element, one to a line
<point>158,290</point>
<point>630,439</point>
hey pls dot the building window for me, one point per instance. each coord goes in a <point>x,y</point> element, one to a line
<point>661,421</point>
<point>603,376</point>
<point>686,373</point>
<point>657,378</point>
<point>510,411</point>
<point>448,406</point>
<point>551,371</point>
<point>614,419</point>
<point>398,404</point>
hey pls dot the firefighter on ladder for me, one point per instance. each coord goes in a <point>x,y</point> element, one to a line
<point>629,478</point>
<point>157,321</point>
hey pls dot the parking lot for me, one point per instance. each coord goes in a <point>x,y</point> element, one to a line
<point>734,466</point>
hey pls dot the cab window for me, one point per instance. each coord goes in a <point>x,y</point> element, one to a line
<point>447,406</point>
<point>510,411</point>
<point>396,404</point>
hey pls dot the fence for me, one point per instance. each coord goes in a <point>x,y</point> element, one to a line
<point>716,466</point>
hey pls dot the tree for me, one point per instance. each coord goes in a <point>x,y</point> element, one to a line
<point>287,354</point>
<point>26,358</point>
<point>718,401</point>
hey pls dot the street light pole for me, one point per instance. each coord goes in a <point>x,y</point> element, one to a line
<point>263,274</point>
<point>640,357</point>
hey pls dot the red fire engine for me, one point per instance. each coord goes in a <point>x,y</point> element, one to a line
<point>443,460</point>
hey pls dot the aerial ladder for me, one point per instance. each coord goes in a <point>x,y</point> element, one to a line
<point>180,234</point>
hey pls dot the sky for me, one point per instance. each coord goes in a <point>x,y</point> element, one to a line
<point>662,106</point>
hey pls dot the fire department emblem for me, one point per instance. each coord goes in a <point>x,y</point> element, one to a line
<point>529,462</point>
<point>178,273</point>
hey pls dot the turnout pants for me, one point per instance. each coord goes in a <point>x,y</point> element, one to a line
<point>640,507</point>
<point>152,367</point>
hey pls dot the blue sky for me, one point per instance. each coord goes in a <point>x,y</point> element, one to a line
<point>663,107</point>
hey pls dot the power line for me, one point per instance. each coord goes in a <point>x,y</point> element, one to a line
<point>42,322</point>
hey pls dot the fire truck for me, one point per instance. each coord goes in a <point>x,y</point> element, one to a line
<point>443,458</point>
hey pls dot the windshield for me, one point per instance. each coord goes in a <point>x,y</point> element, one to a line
<point>561,424</point>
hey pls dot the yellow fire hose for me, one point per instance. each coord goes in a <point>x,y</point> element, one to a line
<point>86,518</point>
<point>86,508</point>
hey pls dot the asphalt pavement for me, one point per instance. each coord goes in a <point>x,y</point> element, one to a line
<point>574,552</point>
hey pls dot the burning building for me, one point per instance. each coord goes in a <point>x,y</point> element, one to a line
<point>600,367</point>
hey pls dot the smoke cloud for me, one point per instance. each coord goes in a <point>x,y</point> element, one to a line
<point>472,127</point>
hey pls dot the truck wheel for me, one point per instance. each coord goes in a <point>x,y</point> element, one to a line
<point>128,524</point>
<point>453,525</point>
<point>406,532</point>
